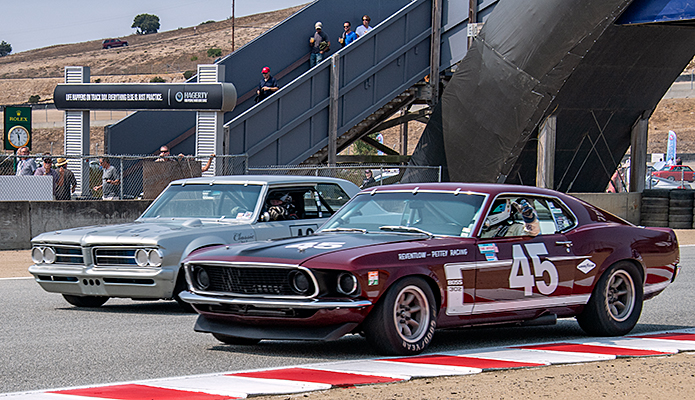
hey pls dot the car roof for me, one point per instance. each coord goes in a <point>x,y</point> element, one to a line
<point>261,179</point>
<point>491,188</point>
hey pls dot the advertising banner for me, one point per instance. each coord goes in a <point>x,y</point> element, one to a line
<point>671,148</point>
<point>17,127</point>
<point>146,96</point>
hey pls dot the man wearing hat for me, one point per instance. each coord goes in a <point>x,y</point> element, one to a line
<point>66,180</point>
<point>47,169</point>
<point>267,86</point>
<point>320,44</point>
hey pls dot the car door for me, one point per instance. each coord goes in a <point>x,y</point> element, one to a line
<point>519,274</point>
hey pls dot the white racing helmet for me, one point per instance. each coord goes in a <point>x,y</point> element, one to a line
<point>501,210</point>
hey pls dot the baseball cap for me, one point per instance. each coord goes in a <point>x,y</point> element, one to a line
<point>318,25</point>
<point>265,70</point>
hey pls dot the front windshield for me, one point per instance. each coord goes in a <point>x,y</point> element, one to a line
<point>438,213</point>
<point>228,201</point>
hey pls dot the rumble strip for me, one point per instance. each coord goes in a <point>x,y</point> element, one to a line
<point>236,385</point>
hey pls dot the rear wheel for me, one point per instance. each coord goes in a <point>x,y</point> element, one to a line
<point>616,302</point>
<point>403,321</point>
<point>85,301</point>
<point>235,339</point>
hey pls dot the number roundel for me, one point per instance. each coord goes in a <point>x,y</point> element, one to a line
<point>521,276</point>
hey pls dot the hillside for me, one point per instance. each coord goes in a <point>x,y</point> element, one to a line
<point>169,54</point>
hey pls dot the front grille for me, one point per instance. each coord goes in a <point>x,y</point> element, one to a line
<point>114,256</point>
<point>251,280</point>
<point>68,255</point>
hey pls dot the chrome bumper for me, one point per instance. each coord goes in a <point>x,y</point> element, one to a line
<point>313,304</point>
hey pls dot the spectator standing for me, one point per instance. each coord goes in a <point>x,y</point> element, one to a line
<point>25,166</point>
<point>47,169</point>
<point>364,28</point>
<point>368,179</point>
<point>109,180</point>
<point>320,44</point>
<point>163,154</point>
<point>207,166</point>
<point>348,36</point>
<point>66,181</point>
<point>267,86</point>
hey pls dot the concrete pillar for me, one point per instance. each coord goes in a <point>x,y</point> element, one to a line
<point>333,111</point>
<point>76,134</point>
<point>545,165</point>
<point>209,125</point>
<point>638,154</point>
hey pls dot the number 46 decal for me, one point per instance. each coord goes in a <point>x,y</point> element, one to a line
<point>521,276</point>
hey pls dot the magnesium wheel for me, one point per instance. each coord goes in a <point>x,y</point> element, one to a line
<point>403,321</point>
<point>616,302</point>
<point>85,301</point>
<point>235,339</point>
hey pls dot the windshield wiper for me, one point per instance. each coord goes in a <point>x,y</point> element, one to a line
<point>406,229</point>
<point>345,230</point>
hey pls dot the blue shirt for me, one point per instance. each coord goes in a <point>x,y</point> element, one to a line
<point>349,38</point>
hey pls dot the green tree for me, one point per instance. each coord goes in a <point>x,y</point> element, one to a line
<point>157,79</point>
<point>33,99</point>
<point>361,148</point>
<point>146,23</point>
<point>5,48</point>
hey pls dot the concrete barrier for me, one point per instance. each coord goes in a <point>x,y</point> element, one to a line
<point>624,205</point>
<point>22,220</point>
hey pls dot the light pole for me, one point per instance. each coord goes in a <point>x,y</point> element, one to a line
<point>233,26</point>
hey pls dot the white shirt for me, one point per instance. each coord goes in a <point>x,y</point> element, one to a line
<point>361,30</point>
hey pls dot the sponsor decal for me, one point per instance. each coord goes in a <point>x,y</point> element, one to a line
<point>521,276</point>
<point>489,251</point>
<point>586,266</point>
<point>412,256</point>
<point>417,255</point>
<point>316,245</point>
<point>372,278</point>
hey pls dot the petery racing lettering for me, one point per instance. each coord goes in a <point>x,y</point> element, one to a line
<point>417,255</point>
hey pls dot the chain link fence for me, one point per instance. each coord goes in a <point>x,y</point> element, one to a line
<point>358,174</point>
<point>144,177</point>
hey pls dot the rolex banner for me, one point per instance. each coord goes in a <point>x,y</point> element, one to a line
<point>17,127</point>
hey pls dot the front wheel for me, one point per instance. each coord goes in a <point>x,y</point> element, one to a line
<point>616,302</point>
<point>235,339</point>
<point>85,301</point>
<point>403,321</point>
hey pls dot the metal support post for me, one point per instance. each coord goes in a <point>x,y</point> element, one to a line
<point>333,110</point>
<point>435,50</point>
<point>472,18</point>
<point>76,134</point>
<point>638,153</point>
<point>404,133</point>
<point>545,165</point>
<point>209,125</point>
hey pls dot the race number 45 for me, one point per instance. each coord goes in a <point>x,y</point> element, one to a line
<point>521,275</point>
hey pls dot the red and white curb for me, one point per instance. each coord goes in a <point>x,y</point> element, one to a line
<point>238,385</point>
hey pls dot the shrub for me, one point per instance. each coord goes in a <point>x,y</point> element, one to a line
<point>194,58</point>
<point>213,52</point>
<point>206,22</point>
<point>188,74</point>
<point>98,80</point>
<point>5,48</point>
<point>157,79</point>
<point>33,99</point>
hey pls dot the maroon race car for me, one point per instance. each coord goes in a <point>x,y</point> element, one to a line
<point>398,261</point>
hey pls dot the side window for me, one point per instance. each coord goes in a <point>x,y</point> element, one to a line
<point>563,219</point>
<point>505,219</point>
<point>545,217</point>
<point>333,195</point>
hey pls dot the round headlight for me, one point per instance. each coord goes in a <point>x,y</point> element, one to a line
<point>141,257</point>
<point>299,282</point>
<point>37,255</point>
<point>49,255</point>
<point>347,283</point>
<point>154,257</point>
<point>202,279</point>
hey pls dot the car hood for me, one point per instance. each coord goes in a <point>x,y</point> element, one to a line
<point>298,250</point>
<point>138,232</point>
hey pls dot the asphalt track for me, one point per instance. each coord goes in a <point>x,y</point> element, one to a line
<point>48,344</point>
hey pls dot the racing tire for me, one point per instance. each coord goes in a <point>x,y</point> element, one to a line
<point>654,223</point>
<point>181,287</point>
<point>656,193</point>
<point>615,304</point>
<point>681,194</point>
<point>670,178</point>
<point>655,202</point>
<point>681,218</point>
<point>86,301</point>
<point>403,321</point>
<point>680,225</point>
<point>680,210</point>
<point>227,339</point>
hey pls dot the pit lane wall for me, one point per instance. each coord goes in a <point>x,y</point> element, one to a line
<point>22,220</point>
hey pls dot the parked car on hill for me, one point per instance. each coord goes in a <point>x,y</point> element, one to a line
<point>109,43</point>
<point>676,173</point>
<point>398,261</point>
<point>142,259</point>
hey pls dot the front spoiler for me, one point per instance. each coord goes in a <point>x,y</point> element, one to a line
<point>275,332</point>
<point>310,304</point>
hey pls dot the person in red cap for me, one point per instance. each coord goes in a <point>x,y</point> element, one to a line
<point>267,86</point>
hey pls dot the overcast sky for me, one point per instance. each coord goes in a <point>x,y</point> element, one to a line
<point>31,24</point>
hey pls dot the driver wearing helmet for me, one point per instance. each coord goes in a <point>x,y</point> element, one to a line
<point>503,220</point>
<point>280,207</point>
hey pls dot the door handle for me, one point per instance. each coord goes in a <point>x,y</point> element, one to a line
<point>567,243</point>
